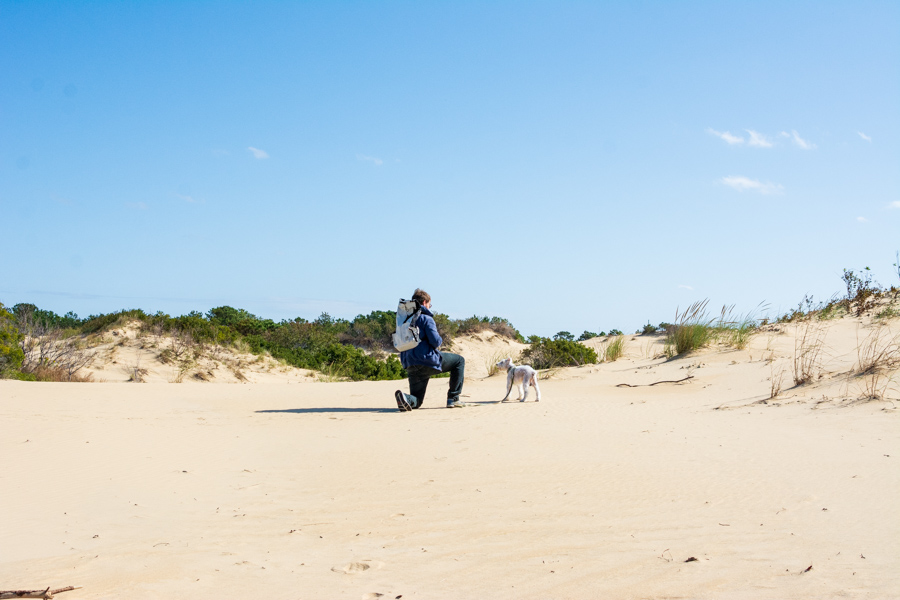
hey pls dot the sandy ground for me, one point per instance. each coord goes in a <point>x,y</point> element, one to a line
<point>324,490</point>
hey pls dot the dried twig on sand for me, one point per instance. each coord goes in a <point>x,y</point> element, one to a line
<point>47,593</point>
<point>656,382</point>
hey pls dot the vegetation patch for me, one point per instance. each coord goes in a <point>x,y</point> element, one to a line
<point>546,353</point>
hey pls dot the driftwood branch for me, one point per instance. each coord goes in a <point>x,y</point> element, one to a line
<point>656,382</point>
<point>47,593</point>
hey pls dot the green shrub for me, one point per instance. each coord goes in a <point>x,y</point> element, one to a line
<point>862,290</point>
<point>564,335</point>
<point>372,331</point>
<point>648,329</point>
<point>239,320</point>
<point>97,323</point>
<point>586,335</point>
<point>545,353</point>
<point>475,324</point>
<point>11,354</point>
<point>45,318</point>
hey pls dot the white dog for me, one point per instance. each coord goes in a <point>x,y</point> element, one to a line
<point>522,376</point>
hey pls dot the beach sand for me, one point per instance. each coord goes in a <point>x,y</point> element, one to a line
<point>305,489</point>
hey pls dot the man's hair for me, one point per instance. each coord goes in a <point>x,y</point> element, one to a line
<point>421,296</point>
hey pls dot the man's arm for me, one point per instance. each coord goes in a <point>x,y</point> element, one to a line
<point>431,333</point>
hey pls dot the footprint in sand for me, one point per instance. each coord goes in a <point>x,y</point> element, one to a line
<point>352,568</point>
<point>371,596</point>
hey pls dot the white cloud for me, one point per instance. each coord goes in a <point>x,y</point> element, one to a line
<point>745,183</point>
<point>799,141</point>
<point>726,135</point>
<point>758,140</point>
<point>894,204</point>
<point>138,205</point>
<point>862,219</point>
<point>377,161</point>
<point>190,199</point>
<point>864,136</point>
<point>257,153</point>
<point>685,287</point>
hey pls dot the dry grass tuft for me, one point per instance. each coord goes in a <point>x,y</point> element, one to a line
<point>59,373</point>
<point>138,374</point>
<point>776,378</point>
<point>490,363</point>
<point>807,351</point>
<point>878,357</point>
<point>550,373</point>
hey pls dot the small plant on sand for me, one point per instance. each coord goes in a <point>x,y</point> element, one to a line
<point>137,373</point>
<point>775,380</point>
<point>614,349</point>
<point>807,350</point>
<point>183,367</point>
<point>878,357</point>
<point>887,313</point>
<point>737,332</point>
<point>490,363</point>
<point>238,373</point>
<point>550,373</point>
<point>692,330</point>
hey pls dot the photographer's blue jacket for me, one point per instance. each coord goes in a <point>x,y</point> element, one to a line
<point>426,353</point>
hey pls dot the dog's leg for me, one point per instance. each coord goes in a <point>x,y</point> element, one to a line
<point>525,382</point>
<point>537,390</point>
<point>522,387</point>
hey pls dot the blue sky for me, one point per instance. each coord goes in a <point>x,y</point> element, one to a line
<point>568,166</point>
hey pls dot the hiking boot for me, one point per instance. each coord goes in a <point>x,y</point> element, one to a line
<point>458,404</point>
<point>402,402</point>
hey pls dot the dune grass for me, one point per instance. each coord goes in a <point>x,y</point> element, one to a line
<point>694,329</point>
<point>614,349</point>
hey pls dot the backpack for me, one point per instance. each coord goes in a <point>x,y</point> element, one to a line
<point>407,335</point>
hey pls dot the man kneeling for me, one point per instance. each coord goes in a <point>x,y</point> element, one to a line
<point>426,360</point>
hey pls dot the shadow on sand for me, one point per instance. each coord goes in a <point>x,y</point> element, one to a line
<point>342,409</point>
<point>337,409</point>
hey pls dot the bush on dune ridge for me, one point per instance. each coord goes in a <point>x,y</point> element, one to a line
<point>358,349</point>
<point>546,353</point>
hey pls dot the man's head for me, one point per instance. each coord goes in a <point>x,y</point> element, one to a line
<point>422,297</point>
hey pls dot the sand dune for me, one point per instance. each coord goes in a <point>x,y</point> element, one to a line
<point>324,490</point>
